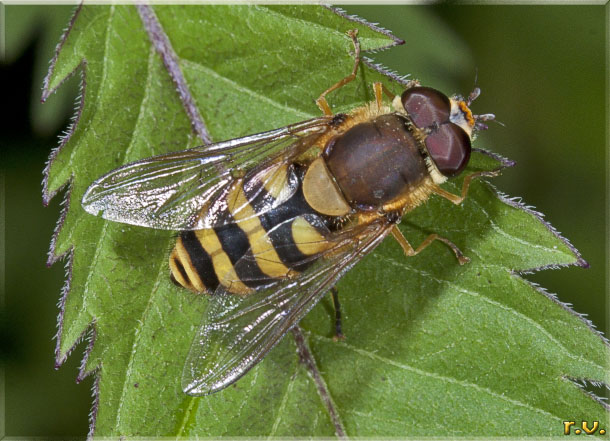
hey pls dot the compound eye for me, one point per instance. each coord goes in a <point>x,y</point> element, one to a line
<point>426,106</point>
<point>449,148</point>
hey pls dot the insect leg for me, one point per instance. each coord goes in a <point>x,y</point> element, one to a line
<point>409,251</point>
<point>379,88</point>
<point>338,333</point>
<point>321,101</point>
<point>457,200</point>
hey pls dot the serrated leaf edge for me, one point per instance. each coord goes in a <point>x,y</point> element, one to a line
<point>516,202</point>
<point>46,92</point>
<point>582,384</point>
<point>373,26</point>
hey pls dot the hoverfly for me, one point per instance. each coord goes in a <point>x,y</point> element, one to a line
<point>270,222</point>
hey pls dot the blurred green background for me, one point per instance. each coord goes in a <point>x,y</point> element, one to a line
<point>542,71</point>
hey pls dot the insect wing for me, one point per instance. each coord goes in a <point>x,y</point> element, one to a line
<point>170,191</point>
<point>237,332</point>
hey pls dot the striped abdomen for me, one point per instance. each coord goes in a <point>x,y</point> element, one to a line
<point>254,249</point>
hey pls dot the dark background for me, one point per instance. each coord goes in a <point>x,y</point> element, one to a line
<point>542,71</point>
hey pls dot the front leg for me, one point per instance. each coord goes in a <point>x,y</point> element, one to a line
<point>321,101</point>
<point>457,200</point>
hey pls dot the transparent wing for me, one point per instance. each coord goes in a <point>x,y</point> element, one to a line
<point>187,190</point>
<point>237,332</point>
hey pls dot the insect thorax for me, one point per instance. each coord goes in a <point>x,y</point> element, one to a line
<point>376,162</point>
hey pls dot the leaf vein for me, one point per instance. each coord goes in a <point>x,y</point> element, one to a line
<point>149,303</point>
<point>185,418</point>
<point>280,409</point>
<point>510,236</point>
<point>441,378</point>
<point>510,310</point>
<point>290,110</point>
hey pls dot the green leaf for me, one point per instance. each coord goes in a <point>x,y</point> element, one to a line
<point>25,23</point>
<point>432,346</point>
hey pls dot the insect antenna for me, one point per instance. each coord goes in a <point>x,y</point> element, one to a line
<point>479,119</point>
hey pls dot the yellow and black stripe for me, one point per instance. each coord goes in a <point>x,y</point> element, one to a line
<point>269,246</point>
